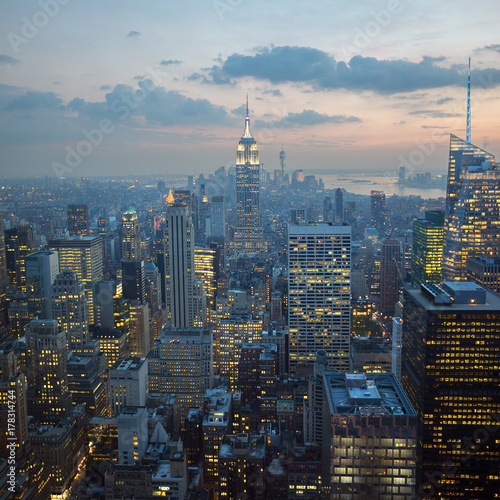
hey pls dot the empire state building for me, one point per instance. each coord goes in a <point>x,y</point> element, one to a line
<point>248,235</point>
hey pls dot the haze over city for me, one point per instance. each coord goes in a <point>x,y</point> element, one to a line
<point>342,85</point>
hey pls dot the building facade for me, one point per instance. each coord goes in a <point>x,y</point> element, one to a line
<point>319,293</point>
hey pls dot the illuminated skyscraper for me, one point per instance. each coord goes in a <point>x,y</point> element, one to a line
<point>19,242</point>
<point>69,308</point>
<point>78,220</point>
<point>472,215</point>
<point>427,253</point>
<point>319,293</point>
<point>131,236</point>
<point>205,271</point>
<point>451,336</point>
<point>248,235</point>
<point>83,255</point>
<point>49,398</point>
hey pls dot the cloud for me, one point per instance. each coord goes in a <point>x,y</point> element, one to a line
<point>434,114</point>
<point>307,65</point>
<point>308,117</point>
<point>155,104</point>
<point>133,34</point>
<point>170,62</point>
<point>34,100</point>
<point>444,99</point>
<point>494,46</point>
<point>4,59</point>
<point>105,87</point>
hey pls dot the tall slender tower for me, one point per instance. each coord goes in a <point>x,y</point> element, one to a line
<point>248,235</point>
<point>472,215</point>
<point>282,162</point>
<point>180,267</point>
<point>131,236</point>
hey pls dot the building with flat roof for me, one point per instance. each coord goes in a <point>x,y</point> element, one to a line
<point>451,339</point>
<point>485,271</point>
<point>369,437</point>
<point>128,384</point>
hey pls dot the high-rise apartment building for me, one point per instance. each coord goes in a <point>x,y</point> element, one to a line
<point>78,220</point>
<point>131,236</point>
<point>319,293</point>
<point>69,307</point>
<point>248,234</point>
<point>83,255</point>
<point>139,342</point>
<point>450,373</point>
<point>472,214</point>
<point>47,368</point>
<point>427,252</point>
<point>180,266</point>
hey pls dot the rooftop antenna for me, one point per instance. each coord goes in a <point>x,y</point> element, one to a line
<point>468,105</point>
<point>248,114</point>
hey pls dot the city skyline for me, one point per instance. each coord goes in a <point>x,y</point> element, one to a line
<point>349,88</point>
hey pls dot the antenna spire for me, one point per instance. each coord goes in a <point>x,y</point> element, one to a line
<point>468,105</point>
<point>248,114</point>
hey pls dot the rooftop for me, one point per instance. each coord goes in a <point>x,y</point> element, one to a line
<point>366,394</point>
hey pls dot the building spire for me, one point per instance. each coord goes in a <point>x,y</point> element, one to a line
<point>248,114</point>
<point>247,132</point>
<point>468,105</point>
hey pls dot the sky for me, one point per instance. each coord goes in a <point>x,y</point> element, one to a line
<point>120,87</point>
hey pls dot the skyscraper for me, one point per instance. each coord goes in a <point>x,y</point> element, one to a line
<point>83,255</point>
<point>218,216</point>
<point>389,275</point>
<point>131,236</point>
<point>451,336</point>
<point>378,209</point>
<point>41,270</point>
<point>19,242</point>
<point>248,234</point>
<point>339,205</point>
<point>472,214</point>
<point>319,293</point>
<point>134,280</point>
<point>49,398</point>
<point>427,253</point>
<point>69,308</point>
<point>180,267</point>
<point>78,220</point>
<point>282,163</point>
